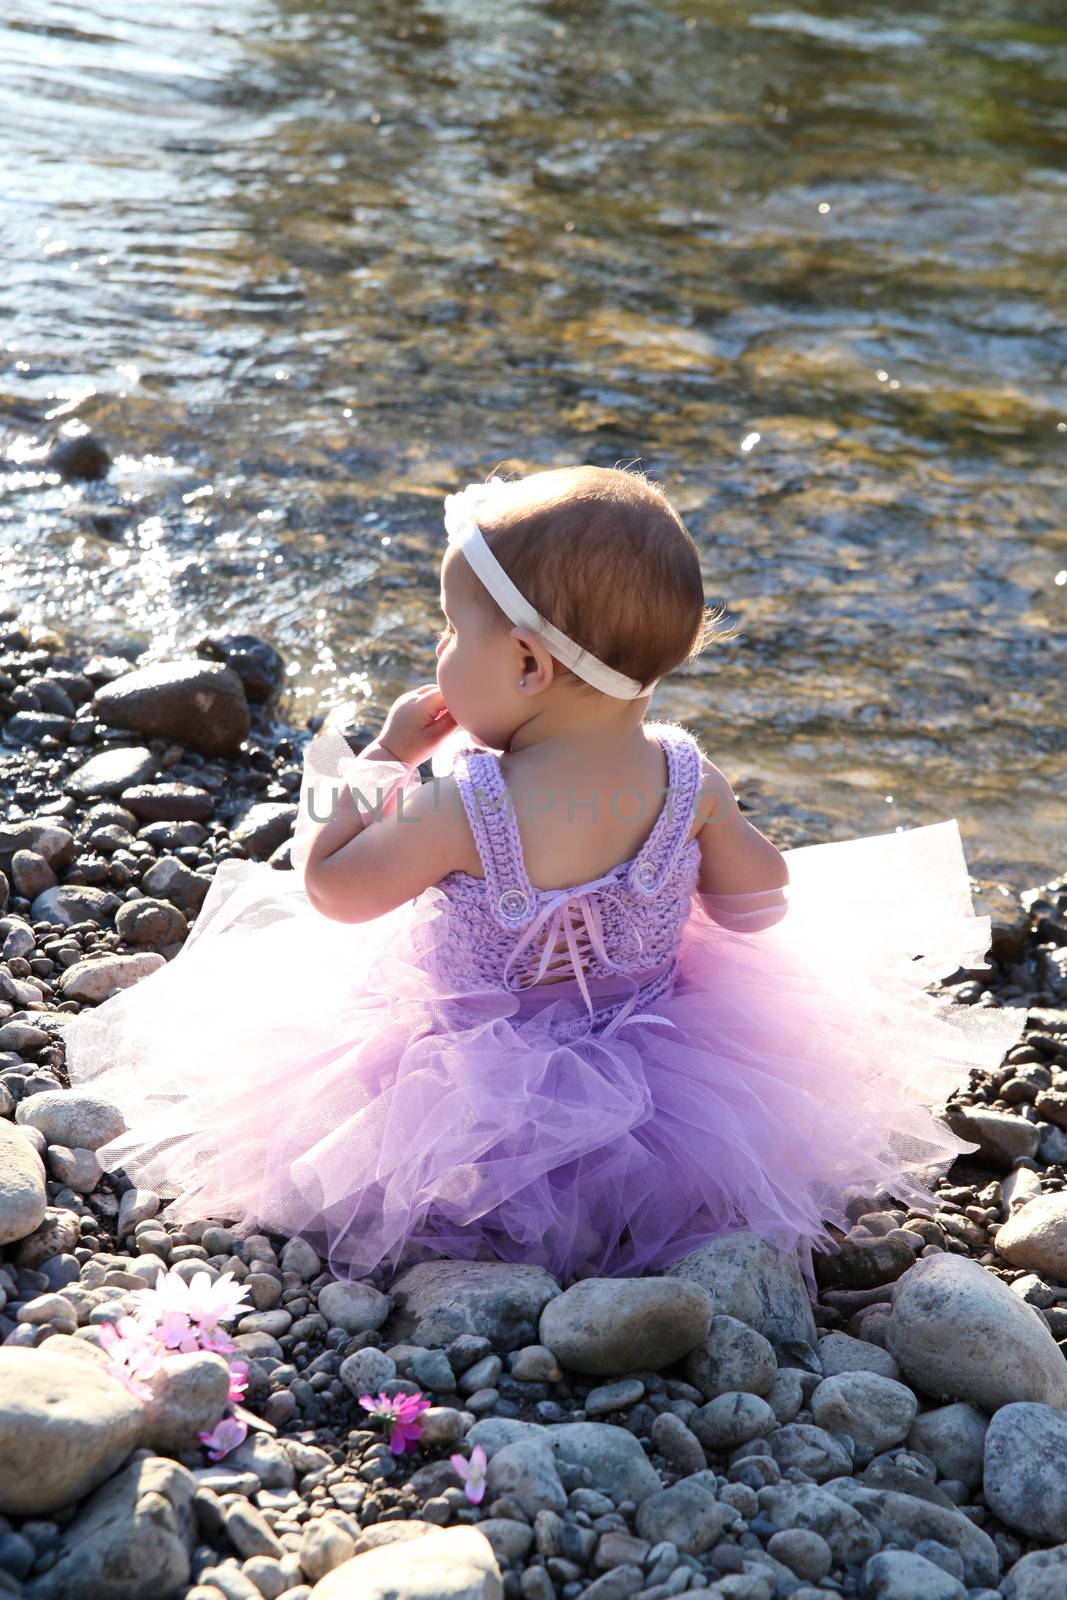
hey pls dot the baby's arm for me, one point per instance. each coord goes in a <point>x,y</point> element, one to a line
<point>743,877</point>
<point>392,859</point>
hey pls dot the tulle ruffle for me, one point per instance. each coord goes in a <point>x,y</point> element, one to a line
<point>307,1076</point>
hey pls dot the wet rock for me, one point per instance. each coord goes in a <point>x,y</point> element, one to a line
<point>1001,1138</point>
<point>148,921</point>
<point>65,1426</point>
<point>48,839</point>
<point>110,772</point>
<point>754,1282</point>
<point>954,1439</point>
<point>72,1117</point>
<point>948,1314</point>
<point>608,1326</point>
<point>264,827</point>
<point>732,1357</point>
<point>196,703</point>
<point>69,903</point>
<point>1025,1474</point>
<point>78,456</point>
<point>875,1412</point>
<point>1035,1236</point>
<point>863,1264</point>
<point>436,1301</point>
<point>170,879</point>
<point>92,982</point>
<point>188,1397</point>
<point>904,1521</point>
<point>902,1575</point>
<point>355,1307</point>
<point>169,802</point>
<point>133,1538</point>
<point>613,1455</point>
<point>23,1197</point>
<point>258,665</point>
<point>445,1564</point>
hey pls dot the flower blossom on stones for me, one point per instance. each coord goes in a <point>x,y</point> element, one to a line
<point>472,1472</point>
<point>186,1315</point>
<point>224,1437</point>
<point>135,1354</point>
<point>400,1412</point>
<point>238,1381</point>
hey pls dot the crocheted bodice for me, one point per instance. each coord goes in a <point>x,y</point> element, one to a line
<point>627,923</point>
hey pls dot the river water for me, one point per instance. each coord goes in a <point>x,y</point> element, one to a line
<point>307,267</point>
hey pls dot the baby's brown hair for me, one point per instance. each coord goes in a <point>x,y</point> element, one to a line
<point>570,537</point>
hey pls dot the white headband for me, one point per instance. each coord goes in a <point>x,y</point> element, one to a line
<point>464,532</point>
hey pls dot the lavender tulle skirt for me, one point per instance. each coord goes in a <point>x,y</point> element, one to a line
<point>289,1073</point>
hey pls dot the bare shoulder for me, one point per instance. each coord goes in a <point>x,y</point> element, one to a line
<point>439,805</point>
<point>716,800</point>
<point>735,857</point>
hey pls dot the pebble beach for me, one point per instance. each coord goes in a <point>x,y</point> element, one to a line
<point>709,1430</point>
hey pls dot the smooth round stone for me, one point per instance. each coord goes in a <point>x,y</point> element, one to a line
<point>614,1397</point>
<point>51,1308</point>
<point>686,1514</point>
<point>65,1426</point>
<point>355,1307</point>
<point>876,1412</point>
<point>732,1419</point>
<point>23,1196</point>
<point>1025,1477</point>
<point>535,1363</point>
<point>948,1314</point>
<point>72,1117</point>
<point>1035,1236</point>
<point>188,1397</point>
<point>276,1323</point>
<point>611,1326</point>
<point>732,1357</point>
<point>803,1551</point>
<point>265,1290</point>
<point>366,1371</point>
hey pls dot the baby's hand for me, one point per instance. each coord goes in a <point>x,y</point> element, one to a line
<point>417,723</point>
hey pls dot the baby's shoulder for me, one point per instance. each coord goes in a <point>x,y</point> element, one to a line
<point>715,797</point>
<point>439,804</point>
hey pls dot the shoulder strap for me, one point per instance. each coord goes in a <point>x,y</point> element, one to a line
<point>491,814</point>
<point>651,866</point>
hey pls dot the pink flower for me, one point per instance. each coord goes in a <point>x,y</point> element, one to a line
<point>188,1314</point>
<point>224,1437</point>
<point>218,1341</point>
<point>400,1412</point>
<point>472,1472</point>
<point>238,1380</point>
<point>135,1354</point>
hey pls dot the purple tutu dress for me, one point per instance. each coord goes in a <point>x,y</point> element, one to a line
<point>601,1077</point>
